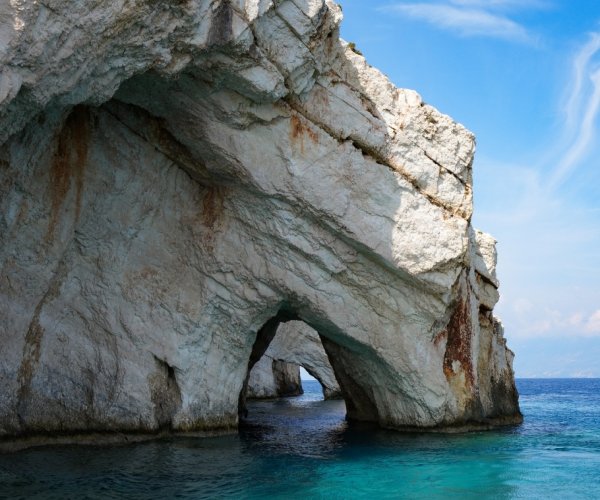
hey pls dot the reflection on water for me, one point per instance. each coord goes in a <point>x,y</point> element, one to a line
<point>303,448</point>
<point>312,428</point>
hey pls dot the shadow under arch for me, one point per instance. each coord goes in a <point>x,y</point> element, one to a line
<point>344,354</point>
<point>264,336</point>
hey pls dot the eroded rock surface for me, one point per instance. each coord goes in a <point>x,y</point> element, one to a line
<point>298,344</point>
<point>173,175</point>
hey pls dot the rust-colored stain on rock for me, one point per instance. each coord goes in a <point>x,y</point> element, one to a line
<point>32,348</point>
<point>458,345</point>
<point>31,356</point>
<point>439,337</point>
<point>212,206</point>
<point>68,164</point>
<point>299,130</point>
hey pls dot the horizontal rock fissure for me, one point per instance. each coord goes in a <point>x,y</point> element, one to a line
<point>380,160</point>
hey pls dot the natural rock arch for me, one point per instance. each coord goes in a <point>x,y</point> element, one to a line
<point>357,391</point>
<point>209,180</point>
<point>277,373</point>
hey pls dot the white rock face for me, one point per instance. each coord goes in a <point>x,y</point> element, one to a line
<point>295,344</point>
<point>270,378</point>
<point>176,176</point>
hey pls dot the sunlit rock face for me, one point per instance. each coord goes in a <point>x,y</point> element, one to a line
<point>295,344</point>
<point>174,175</point>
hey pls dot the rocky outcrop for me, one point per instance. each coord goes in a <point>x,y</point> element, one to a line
<point>176,176</point>
<point>271,378</point>
<point>297,344</point>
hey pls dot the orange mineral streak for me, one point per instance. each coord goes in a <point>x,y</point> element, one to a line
<point>68,165</point>
<point>298,130</point>
<point>458,345</point>
<point>213,206</point>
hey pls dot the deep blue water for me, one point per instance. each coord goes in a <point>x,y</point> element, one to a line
<point>302,448</point>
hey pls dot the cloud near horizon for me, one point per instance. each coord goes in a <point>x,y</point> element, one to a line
<point>470,18</point>
<point>554,323</point>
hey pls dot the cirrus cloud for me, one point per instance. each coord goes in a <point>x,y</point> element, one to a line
<point>469,18</point>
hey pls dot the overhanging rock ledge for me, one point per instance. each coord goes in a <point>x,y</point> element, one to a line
<point>177,178</point>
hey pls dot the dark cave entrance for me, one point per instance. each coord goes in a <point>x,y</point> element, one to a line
<point>264,336</point>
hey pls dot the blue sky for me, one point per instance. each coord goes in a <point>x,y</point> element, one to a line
<point>524,76</point>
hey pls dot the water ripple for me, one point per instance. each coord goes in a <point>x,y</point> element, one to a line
<point>303,448</point>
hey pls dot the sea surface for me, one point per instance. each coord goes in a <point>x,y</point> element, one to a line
<point>303,448</point>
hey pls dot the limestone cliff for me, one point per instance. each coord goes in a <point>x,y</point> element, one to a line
<point>176,178</point>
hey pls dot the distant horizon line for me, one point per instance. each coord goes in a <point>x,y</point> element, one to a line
<point>558,378</point>
<point>516,378</point>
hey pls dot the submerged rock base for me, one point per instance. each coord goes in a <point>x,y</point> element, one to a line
<point>176,179</point>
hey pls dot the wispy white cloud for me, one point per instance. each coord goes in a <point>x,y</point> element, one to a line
<point>592,325</point>
<point>549,242</point>
<point>580,63</point>
<point>549,248</point>
<point>505,4</point>
<point>585,135</point>
<point>469,18</point>
<point>552,323</point>
<point>581,110</point>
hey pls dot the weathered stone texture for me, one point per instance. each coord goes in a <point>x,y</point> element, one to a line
<point>175,174</point>
<point>271,378</point>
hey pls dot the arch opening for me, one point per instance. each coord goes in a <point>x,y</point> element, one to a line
<point>287,343</point>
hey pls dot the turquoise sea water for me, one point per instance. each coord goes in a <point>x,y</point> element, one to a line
<point>302,448</point>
